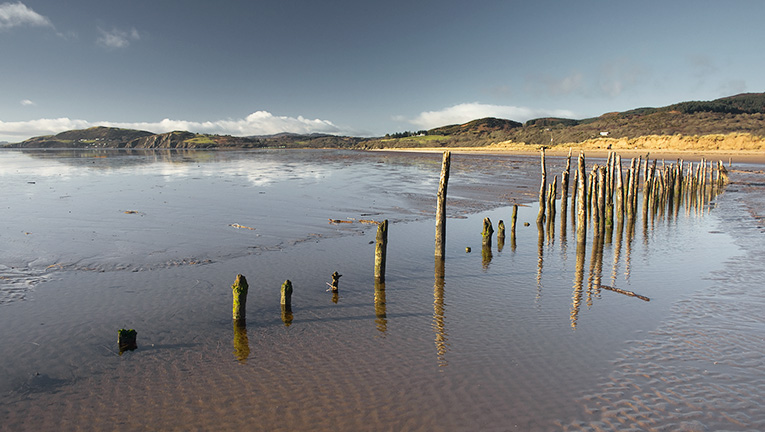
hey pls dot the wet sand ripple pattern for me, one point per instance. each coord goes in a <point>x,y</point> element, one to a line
<point>702,369</point>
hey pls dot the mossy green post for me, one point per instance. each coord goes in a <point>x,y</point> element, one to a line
<point>287,293</point>
<point>487,232</point>
<point>239,289</point>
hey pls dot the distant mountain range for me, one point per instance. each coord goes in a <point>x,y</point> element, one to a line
<point>743,113</point>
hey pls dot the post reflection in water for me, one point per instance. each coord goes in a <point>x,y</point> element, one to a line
<point>439,311</point>
<point>241,341</point>
<point>617,250</point>
<point>540,257</point>
<point>563,225</point>
<point>596,269</point>
<point>576,300</point>
<point>287,315</point>
<point>381,315</point>
<point>486,254</point>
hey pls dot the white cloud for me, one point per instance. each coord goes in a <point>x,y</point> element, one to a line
<point>466,112</point>
<point>27,102</point>
<point>116,38</point>
<point>257,123</point>
<point>18,14</point>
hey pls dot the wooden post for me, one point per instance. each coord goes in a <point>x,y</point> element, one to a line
<point>239,289</point>
<point>581,220</point>
<point>126,340</point>
<point>381,247</point>
<point>487,232</point>
<point>287,293</point>
<point>551,197</point>
<point>335,286</point>
<point>619,190</point>
<point>512,227</point>
<point>602,199</point>
<point>500,235</point>
<point>441,206</point>
<point>542,190</point>
<point>564,179</point>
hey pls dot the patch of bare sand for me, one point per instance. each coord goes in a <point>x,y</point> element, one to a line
<point>742,148</point>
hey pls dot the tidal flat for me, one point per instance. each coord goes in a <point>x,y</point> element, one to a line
<point>519,337</point>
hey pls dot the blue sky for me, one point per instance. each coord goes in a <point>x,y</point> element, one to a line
<point>359,67</point>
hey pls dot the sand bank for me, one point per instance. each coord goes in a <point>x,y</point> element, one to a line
<point>743,148</point>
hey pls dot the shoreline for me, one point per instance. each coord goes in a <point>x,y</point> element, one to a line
<point>737,156</point>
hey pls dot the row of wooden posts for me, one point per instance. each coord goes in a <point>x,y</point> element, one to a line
<point>606,194</point>
<point>602,195</point>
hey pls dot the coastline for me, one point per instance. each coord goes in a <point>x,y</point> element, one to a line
<point>735,156</point>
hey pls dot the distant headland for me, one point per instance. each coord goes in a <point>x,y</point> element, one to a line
<point>730,123</point>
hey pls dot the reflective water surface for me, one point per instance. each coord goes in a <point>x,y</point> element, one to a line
<point>530,334</point>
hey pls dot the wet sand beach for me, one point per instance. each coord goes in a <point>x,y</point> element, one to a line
<point>519,337</point>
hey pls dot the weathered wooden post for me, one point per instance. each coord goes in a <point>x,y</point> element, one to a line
<point>287,302</point>
<point>551,198</point>
<point>126,340</point>
<point>513,222</point>
<point>287,293</point>
<point>239,289</point>
<point>500,235</point>
<point>593,198</point>
<point>564,180</point>
<point>724,178</point>
<point>542,191</point>
<point>441,206</point>
<point>609,211</point>
<point>601,200</point>
<point>335,286</point>
<point>619,190</point>
<point>581,194</point>
<point>381,248</point>
<point>487,232</point>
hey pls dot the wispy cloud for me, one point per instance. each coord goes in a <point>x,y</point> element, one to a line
<point>27,102</point>
<point>116,38</point>
<point>466,112</point>
<point>18,14</point>
<point>257,123</point>
<point>557,86</point>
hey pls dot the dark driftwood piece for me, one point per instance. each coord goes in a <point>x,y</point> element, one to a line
<point>621,291</point>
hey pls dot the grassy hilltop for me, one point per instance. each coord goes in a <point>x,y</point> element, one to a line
<point>743,115</point>
<point>731,123</point>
